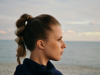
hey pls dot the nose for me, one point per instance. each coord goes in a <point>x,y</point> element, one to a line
<point>64,45</point>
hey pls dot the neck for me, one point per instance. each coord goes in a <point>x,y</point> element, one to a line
<point>39,57</point>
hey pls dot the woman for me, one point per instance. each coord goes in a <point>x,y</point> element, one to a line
<point>42,36</point>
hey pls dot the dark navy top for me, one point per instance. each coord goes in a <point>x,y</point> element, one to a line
<point>30,67</point>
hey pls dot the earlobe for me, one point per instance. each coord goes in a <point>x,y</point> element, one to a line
<point>40,44</point>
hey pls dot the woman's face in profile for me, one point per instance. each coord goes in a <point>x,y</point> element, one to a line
<point>55,45</point>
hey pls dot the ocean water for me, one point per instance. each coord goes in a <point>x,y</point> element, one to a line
<point>83,53</point>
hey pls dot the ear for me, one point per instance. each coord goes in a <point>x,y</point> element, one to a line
<point>40,44</point>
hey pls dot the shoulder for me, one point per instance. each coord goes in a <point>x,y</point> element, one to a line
<point>25,68</point>
<point>50,65</point>
<point>21,70</point>
<point>58,72</point>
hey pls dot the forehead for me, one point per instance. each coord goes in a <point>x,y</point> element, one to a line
<point>57,31</point>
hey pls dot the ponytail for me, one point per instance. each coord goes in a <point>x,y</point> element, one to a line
<point>30,30</point>
<point>20,24</point>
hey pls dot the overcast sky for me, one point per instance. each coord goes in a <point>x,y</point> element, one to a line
<point>80,19</point>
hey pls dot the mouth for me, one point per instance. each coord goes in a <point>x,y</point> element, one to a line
<point>61,53</point>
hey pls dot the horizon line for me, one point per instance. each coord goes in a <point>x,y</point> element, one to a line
<point>64,40</point>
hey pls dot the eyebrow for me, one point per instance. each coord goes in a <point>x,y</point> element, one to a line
<point>60,36</point>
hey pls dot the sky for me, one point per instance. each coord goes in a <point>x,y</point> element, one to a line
<point>79,19</point>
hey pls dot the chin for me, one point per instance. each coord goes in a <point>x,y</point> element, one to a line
<point>56,59</point>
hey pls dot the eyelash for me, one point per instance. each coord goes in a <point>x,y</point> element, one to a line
<point>59,39</point>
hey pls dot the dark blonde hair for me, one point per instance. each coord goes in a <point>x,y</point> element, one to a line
<point>30,29</point>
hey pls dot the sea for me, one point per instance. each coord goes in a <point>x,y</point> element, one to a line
<point>82,53</point>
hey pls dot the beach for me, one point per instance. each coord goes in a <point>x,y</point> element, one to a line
<point>77,53</point>
<point>9,68</point>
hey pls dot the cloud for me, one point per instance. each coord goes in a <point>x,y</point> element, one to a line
<point>84,14</point>
<point>62,31</point>
<point>81,23</point>
<point>93,23</point>
<point>82,33</point>
<point>89,33</point>
<point>9,30</point>
<point>73,22</point>
<point>2,32</point>
<point>82,36</point>
<point>71,32</point>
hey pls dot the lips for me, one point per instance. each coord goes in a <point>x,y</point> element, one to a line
<point>61,53</point>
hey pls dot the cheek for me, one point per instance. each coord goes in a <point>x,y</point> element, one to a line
<point>53,47</point>
<point>53,50</point>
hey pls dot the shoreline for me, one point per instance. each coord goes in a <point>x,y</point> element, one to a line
<point>9,68</point>
<point>78,70</point>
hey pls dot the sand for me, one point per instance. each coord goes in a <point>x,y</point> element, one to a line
<point>9,68</point>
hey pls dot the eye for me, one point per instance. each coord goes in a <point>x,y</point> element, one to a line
<point>59,39</point>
